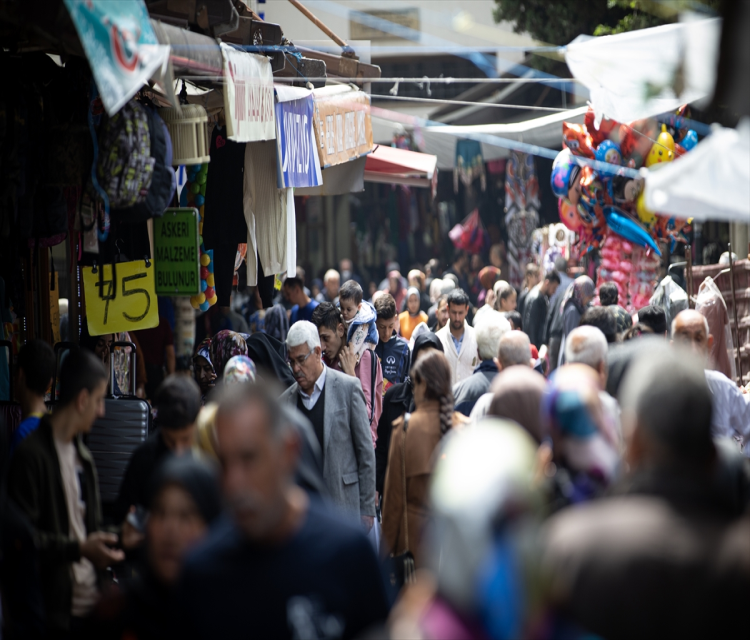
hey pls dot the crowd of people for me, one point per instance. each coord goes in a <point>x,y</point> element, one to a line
<point>439,456</point>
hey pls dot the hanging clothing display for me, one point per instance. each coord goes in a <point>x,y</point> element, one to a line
<point>710,304</point>
<point>469,164</point>
<point>521,213</point>
<point>269,214</point>
<point>224,224</point>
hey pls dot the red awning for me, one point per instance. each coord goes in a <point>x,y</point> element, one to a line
<point>398,166</point>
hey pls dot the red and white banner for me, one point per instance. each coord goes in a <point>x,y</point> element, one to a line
<point>248,96</point>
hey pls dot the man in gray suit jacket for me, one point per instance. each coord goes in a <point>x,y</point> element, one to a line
<point>335,405</point>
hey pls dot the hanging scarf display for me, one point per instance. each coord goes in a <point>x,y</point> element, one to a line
<point>469,164</point>
<point>521,213</point>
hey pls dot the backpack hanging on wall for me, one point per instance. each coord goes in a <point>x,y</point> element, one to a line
<point>163,180</point>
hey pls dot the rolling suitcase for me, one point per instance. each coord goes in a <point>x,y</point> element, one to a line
<point>114,438</point>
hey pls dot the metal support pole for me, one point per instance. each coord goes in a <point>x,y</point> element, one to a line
<point>737,344</point>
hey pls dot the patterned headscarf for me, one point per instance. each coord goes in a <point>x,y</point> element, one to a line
<point>585,443</point>
<point>239,370</point>
<point>488,276</point>
<point>225,345</point>
<point>204,351</point>
<point>582,287</point>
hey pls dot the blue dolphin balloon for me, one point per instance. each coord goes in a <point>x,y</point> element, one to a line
<point>629,229</point>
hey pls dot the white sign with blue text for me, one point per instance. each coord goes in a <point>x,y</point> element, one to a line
<point>297,157</point>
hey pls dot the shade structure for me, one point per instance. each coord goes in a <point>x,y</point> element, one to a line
<point>545,131</point>
<point>712,182</point>
<point>647,72</point>
<point>398,166</point>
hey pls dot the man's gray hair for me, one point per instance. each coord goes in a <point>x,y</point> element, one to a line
<point>514,349</point>
<point>586,345</point>
<point>492,327</point>
<point>303,332</point>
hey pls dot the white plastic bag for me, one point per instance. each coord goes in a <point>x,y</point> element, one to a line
<point>710,303</point>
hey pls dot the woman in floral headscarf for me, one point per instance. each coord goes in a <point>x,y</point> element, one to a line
<point>225,345</point>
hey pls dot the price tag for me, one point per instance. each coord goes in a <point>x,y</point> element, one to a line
<point>176,253</point>
<point>122,298</point>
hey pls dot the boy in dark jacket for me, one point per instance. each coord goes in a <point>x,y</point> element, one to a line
<point>52,479</point>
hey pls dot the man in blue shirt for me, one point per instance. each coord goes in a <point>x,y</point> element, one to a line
<point>294,290</point>
<point>392,349</point>
<point>36,366</point>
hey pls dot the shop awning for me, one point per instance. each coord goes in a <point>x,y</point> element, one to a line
<point>399,166</point>
<point>646,72</point>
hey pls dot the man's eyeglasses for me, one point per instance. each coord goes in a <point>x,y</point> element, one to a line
<point>299,361</point>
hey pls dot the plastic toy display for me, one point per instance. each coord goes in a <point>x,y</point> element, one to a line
<point>194,195</point>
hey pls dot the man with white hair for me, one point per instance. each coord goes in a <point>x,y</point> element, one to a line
<point>588,345</point>
<point>513,349</point>
<point>488,335</point>
<point>335,405</point>
<point>730,417</point>
<point>331,286</point>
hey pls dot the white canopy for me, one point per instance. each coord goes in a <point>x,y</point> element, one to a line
<point>643,73</point>
<point>712,182</point>
<point>544,132</point>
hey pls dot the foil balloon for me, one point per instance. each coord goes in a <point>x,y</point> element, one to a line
<point>563,169</point>
<point>629,229</point>
<point>569,214</point>
<point>577,139</point>
<point>646,216</point>
<point>689,140</point>
<point>608,152</point>
<point>662,150</point>
<point>608,129</point>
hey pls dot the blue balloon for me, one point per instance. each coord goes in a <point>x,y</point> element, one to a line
<point>608,151</point>
<point>205,306</point>
<point>690,140</point>
<point>629,229</point>
<point>199,200</point>
<point>204,285</point>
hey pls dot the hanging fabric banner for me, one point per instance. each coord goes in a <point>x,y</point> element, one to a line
<point>248,96</point>
<point>343,128</point>
<point>297,157</point>
<point>120,44</point>
<point>522,217</point>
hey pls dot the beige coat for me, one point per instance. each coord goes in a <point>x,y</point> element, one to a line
<point>422,439</point>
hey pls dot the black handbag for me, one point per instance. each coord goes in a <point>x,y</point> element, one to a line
<point>400,568</point>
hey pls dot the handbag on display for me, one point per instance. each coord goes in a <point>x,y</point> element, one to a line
<point>401,569</point>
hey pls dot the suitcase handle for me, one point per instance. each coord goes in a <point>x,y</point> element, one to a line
<point>123,344</point>
<point>59,347</point>
<point>9,345</point>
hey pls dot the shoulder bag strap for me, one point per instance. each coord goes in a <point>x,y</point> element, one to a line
<point>403,476</point>
<point>373,377</point>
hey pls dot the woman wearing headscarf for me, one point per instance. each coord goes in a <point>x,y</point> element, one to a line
<point>225,345</point>
<point>185,501</point>
<point>203,369</point>
<point>585,446</point>
<point>413,315</point>
<point>410,461</point>
<point>577,298</point>
<point>517,395</point>
<point>396,288</point>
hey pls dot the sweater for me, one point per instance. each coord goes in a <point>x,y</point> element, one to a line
<point>35,484</point>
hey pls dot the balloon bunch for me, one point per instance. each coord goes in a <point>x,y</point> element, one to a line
<point>596,202</point>
<point>194,195</point>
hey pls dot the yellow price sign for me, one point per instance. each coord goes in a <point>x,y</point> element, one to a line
<point>120,297</point>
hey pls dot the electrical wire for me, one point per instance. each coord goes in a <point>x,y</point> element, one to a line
<point>468,103</point>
